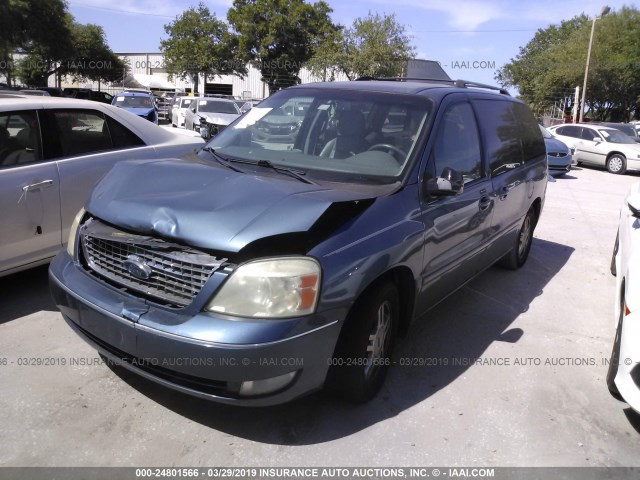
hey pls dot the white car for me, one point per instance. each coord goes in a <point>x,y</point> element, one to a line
<point>178,110</point>
<point>52,152</point>
<point>623,378</point>
<point>218,112</point>
<point>600,146</point>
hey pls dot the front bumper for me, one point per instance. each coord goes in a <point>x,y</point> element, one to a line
<point>628,375</point>
<point>559,165</point>
<point>201,354</point>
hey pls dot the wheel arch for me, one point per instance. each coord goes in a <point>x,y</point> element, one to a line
<point>615,152</point>
<point>537,208</point>
<point>402,277</point>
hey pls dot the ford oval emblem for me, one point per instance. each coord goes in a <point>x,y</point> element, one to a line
<point>136,267</point>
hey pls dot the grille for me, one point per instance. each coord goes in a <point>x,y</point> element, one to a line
<point>164,271</point>
<point>557,154</point>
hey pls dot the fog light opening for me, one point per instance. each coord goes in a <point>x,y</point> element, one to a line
<point>252,388</point>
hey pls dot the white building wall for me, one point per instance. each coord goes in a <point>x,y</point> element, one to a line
<point>249,86</point>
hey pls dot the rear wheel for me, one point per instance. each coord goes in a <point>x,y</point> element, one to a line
<point>363,353</point>
<point>518,255</point>
<point>617,164</point>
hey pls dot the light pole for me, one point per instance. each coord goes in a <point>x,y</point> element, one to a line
<point>604,11</point>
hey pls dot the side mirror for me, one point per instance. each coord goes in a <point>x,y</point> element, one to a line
<point>450,182</point>
<point>597,139</point>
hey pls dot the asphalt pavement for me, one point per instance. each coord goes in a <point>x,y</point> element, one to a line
<point>509,371</point>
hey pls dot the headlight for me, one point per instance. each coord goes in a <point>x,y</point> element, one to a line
<point>71,243</point>
<point>270,288</point>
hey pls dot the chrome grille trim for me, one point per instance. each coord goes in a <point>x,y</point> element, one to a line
<point>178,273</point>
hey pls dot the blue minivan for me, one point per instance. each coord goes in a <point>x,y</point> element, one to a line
<point>259,269</point>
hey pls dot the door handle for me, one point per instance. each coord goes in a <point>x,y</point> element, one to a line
<point>37,186</point>
<point>485,202</point>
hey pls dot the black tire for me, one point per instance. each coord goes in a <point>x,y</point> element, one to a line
<point>363,352</point>
<point>518,255</point>
<point>617,164</point>
<point>615,359</point>
<point>613,256</point>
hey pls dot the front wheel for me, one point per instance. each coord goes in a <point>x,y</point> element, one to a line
<point>522,245</point>
<point>363,352</point>
<point>617,164</point>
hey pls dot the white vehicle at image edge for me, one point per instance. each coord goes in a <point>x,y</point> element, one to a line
<point>52,152</point>
<point>600,146</point>
<point>623,377</point>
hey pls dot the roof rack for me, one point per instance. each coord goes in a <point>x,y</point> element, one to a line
<point>456,83</point>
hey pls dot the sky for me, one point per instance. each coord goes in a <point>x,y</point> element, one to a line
<point>470,38</point>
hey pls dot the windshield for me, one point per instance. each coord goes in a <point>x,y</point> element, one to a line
<point>186,102</point>
<point>216,106</point>
<point>545,133</point>
<point>338,135</point>
<point>615,136</point>
<point>133,102</point>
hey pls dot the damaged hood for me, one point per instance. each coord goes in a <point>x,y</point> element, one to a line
<point>207,206</point>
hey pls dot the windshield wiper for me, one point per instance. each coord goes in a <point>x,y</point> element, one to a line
<point>294,173</point>
<point>221,160</point>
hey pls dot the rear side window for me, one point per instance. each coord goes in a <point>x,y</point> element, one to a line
<point>570,131</point>
<point>589,134</point>
<point>80,131</point>
<point>502,139</point>
<point>532,142</point>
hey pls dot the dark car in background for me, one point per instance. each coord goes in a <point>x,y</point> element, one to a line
<point>255,272</point>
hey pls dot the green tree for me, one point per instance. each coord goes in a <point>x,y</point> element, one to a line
<point>280,36</point>
<point>552,64</point>
<point>89,57</point>
<point>376,46</point>
<point>200,43</point>
<point>32,27</point>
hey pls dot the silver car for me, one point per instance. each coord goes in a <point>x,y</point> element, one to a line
<point>52,152</point>
<point>217,111</point>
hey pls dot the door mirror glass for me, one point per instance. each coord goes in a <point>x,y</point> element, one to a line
<point>450,182</point>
